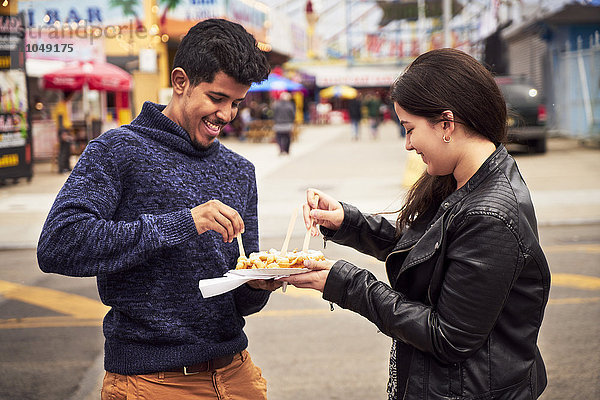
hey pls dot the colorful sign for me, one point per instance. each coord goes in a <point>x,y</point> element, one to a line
<point>65,21</point>
<point>15,129</point>
<point>177,19</point>
<point>89,12</point>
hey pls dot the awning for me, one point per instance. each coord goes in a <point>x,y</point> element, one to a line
<point>94,75</point>
<point>276,83</point>
<point>339,91</point>
<point>38,68</point>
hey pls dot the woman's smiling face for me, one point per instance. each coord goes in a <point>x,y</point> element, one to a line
<point>207,107</point>
<point>426,140</point>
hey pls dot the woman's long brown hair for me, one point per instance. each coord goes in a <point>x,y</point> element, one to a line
<point>440,80</point>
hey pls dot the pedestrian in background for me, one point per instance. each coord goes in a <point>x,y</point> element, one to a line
<point>284,115</point>
<point>323,108</point>
<point>373,104</point>
<point>355,115</point>
<point>64,126</point>
<point>65,144</point>
<point>246,120</point>
<point>265,112</point>
<point>153,207</point>
<point>469,281</point>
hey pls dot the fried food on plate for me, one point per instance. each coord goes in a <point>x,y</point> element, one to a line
<point>274,259</point>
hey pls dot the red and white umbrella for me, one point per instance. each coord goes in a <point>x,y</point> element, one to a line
<point>94,75</point>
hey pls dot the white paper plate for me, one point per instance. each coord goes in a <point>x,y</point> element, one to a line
<point>260,273</point>
<point>215,286</point>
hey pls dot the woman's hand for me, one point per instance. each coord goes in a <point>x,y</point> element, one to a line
<point>314,279</point>
<point>321,209</point>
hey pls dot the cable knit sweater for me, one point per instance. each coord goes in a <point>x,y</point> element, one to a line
<point>124,216</point>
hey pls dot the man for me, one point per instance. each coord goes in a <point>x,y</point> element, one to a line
<point>153,207</point>
<point>64,126</point>
<point>355,114</point>
<point>65,140</point>
<point>373,104</point>
<point>284,115</point>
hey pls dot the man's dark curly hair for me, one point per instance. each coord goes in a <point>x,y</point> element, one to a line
<point>215,45</point>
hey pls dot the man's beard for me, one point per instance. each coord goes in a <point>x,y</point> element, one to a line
<point>195,142</point>
<point>199,146</point>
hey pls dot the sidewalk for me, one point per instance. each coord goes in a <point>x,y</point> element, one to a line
<point>25,205</point>
<point>565,182</point>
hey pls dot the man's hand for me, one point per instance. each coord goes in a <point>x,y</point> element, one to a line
<point>219,217</point>
<point>270,284</point>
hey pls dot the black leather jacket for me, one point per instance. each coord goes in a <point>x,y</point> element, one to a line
<point>468,289</point>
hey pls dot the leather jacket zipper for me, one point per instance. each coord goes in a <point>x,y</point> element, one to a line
<point>401,251</point>
<point>439,245</point>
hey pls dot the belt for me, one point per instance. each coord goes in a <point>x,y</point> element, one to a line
<point>205,366</point>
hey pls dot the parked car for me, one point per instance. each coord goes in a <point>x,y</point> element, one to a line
<point>526,113</point>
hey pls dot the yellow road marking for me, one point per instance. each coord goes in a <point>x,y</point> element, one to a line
<point>64,303</point>
<point>47,322</point>
<point>574,300</point>
<point>575,281</point>
<point>572,248</point>
<point>83,311</point>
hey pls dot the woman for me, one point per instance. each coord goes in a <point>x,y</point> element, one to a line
<point>469,281</point>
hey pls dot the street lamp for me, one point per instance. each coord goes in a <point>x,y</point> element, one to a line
<point>311,18</point>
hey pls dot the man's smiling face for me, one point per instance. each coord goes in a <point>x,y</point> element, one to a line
<point>207,107</point>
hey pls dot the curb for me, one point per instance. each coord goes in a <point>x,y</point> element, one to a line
<point>91,382</point>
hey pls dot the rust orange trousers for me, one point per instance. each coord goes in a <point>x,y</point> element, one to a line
<point>240,380</point>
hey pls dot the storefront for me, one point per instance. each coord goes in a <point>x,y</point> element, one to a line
<point>140,37</point>
<point>368,81</point>
<point>65,43</point>
<point>15,128</point>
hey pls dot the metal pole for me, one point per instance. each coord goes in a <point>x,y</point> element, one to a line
<point>421,25</point>
<point>86,109</point>
<point>447,15</point>
<point>585,89</point>
<point>349,55</point>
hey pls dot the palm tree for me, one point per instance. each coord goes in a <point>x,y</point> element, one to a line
<point>169,5</point>
<point>128,8</point>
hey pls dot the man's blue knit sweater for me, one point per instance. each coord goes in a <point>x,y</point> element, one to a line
<point>124,216</point>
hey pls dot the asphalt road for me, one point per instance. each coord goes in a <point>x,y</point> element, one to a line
<point>50,326</point>
<point>304,349</point>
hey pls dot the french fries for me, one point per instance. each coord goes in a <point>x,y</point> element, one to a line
<point>274,259</point>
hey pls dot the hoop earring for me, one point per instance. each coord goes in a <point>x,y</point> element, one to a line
<point>446,139</point>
